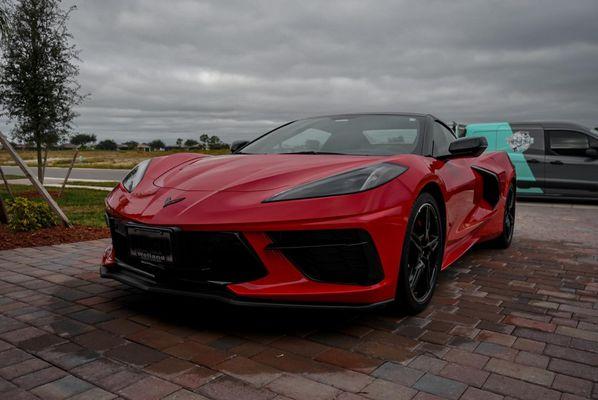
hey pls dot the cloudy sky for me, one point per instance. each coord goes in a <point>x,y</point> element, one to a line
<point>168,69</point>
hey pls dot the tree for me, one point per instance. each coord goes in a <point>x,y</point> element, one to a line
<point>215,143</point>
<point>156,144</point>
<point>191,143</point>
<point>5,10</point>
<point>107,145</point>
<point>83,139</point>
<point>131,144</point>
<point>179,142</point>
<point>204,140</point>
<point>38,87</point>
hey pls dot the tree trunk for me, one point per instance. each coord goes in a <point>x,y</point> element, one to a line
<point>3,213</point>
<point>45,163</point>
<point>40,167</point>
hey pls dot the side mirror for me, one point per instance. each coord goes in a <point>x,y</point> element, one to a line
<point>238,145</point>
<point>468,146</point>
<point>592,152</point>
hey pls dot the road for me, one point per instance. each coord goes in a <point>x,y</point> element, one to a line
<point>77,173</point>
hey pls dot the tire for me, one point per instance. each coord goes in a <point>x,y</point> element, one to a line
<point>421,259</point>
<point>506,237</point>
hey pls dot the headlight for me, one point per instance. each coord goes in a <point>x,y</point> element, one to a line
<point>135,176</point>
<point>355,181</point>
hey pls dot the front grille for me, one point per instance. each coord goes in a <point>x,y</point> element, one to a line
<point>346,256</point>
<point>184,259</point>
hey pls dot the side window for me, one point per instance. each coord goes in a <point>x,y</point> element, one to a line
<point>527,140</point>
<point>450,136</point>
<point>443,137</point>
<point>568,143</point>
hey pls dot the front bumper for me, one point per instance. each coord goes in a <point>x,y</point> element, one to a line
<point>283,281</point>
<point>224,296</point>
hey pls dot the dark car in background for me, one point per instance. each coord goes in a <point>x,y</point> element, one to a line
<point>552,159</point>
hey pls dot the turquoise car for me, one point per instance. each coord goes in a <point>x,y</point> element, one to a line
<point>552,159</point>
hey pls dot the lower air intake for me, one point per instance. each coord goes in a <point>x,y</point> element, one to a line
<point>345,256</point>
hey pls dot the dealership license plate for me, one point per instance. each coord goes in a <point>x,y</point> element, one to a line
<point>150,245</point>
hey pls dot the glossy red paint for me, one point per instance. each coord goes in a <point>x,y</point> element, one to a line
<point>226,193</point>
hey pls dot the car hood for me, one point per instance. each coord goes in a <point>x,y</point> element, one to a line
<point>258,172</point>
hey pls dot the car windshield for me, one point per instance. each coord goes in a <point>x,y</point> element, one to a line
<point>354,135</point>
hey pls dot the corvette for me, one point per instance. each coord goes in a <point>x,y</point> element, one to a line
<point>350,210</point>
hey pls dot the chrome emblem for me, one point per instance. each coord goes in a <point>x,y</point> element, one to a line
<point>170,201</point>
<point>520,141</point>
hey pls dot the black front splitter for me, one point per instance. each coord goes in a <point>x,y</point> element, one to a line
<point>226,297</point>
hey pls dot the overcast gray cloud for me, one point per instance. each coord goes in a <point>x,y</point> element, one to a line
<point>168,69</point>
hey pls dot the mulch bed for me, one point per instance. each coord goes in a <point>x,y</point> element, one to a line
<point>49,236</point>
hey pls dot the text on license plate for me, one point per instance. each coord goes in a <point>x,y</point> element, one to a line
<point>150,245</point>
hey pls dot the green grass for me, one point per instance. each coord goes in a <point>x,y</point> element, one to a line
<point>11,176</point>
<point>82,206</point>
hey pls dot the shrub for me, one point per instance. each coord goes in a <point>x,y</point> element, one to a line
<point>107,145</point>
<point>27,215</point>
<point>156,144</point>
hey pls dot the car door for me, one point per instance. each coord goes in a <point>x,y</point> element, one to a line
<point>459,180</point>
<point>526,147</point>
<point>571,169</point>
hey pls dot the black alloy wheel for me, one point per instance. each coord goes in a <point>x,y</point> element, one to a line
<point>423,252</point>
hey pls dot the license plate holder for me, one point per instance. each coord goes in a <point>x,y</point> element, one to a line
<point>151,246</point>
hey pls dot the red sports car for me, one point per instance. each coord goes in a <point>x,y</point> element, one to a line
<point>345,210</point>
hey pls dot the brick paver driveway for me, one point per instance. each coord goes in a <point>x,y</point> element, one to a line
<point>521,323</point>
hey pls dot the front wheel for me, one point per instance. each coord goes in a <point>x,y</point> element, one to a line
<point>423,251</point>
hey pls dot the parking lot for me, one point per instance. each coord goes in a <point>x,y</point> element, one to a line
<point>521,323</point>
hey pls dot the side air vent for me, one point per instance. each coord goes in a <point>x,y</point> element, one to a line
<point>490,186</point>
